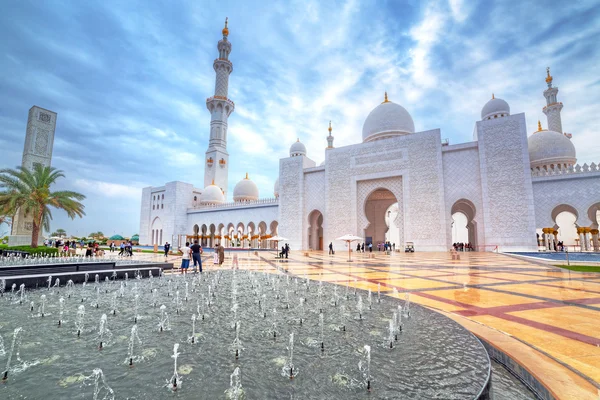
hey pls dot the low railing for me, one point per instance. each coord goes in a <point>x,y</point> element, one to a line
<point>237,204</point>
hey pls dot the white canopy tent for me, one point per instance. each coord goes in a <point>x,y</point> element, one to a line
<point>349,239</point>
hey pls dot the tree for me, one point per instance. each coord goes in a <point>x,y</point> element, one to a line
<point>61,233</point>
<point>29,190</point>
<point>96,235</point>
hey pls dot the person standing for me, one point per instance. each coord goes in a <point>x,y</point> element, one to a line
<point>287,250</point>
<point>362,247</point>
<point>196,252</point>
<point>122,247</point>
<point>185,257</point>
<point>370,247</point>
<point>167,248</point>
<point>330,248</point>
<point>221,252</point>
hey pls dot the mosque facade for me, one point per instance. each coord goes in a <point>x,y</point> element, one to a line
<point>398,185</point>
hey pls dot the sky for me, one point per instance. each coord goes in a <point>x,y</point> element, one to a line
<point>129,81</point>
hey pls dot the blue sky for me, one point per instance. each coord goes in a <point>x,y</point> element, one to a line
<point>129,80</point>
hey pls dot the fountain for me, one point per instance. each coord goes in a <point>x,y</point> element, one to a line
<point>359,307</point>
<point>103,332</point>
<point>434,343</point>
<point>235,391</point>
<point>61,309</point>
<point>175,382</point>
<point>42,305</point>
<point>100,386</point>
<point>16,333</point>
<point>289,369</point>
<point>132,339</point>
<point>80,319</point>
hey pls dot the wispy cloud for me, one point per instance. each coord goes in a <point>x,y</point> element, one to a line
<point>129,81</point>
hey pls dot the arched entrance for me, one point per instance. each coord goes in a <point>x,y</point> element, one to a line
<point>377,205</point>
<point>156,233</point>
<point>315,230</point>
<point>464,226</point>
<point>565,224</point>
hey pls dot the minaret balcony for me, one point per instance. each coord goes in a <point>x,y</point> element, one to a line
<point>558,103</point>
<point>220,98</point>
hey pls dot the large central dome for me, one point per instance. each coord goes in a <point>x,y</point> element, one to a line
<point>387,119</point>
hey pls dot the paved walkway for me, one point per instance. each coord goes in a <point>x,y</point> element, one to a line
<point>547,319</point>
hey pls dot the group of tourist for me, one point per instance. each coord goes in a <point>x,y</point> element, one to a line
<point>285,250</point>
<point>462,246</point>
<point>194,253</point>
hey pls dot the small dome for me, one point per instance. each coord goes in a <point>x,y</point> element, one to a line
<point>212,194</point>
<point>495,108</point>
<point>245,190</point>
<point>297,149</point>
<point>116,237</point>
<point>276,188</point>
<point>387,119</point>
<point>550,148</point>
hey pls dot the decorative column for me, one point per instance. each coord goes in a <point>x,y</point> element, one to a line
<point>581,238</point>
<point>586,231</point>
<point>545,237</point>
<point>594,233</point>
<point>554,239</point>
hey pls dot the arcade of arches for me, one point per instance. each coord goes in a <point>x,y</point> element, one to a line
<point>568,228</point>
<point>245,236</point>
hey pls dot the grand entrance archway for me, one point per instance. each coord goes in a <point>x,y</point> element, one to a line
<point>378,211</point>
<point>315,230</point>
<point>464,226</point>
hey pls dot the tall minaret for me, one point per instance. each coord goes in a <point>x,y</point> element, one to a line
<point>553,107</point>
<point>220,108</point>
<point>330,138</point>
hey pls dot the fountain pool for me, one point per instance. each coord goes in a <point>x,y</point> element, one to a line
<point>136,341</point>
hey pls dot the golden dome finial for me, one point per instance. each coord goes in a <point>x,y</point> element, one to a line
<point>493,96</point>
<point>247,176</point>
<point>226,30</point>
<point>297,140</point>
<point>539,126</point>
<point>548,76</point>
<point>213,182</point>
<point>329,127</point>
<point>385,100</point>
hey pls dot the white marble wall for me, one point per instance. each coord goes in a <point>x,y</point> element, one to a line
<point>462,180</point>
<point>579,191</point>
<point>416,159</point>
<point>507,192</point>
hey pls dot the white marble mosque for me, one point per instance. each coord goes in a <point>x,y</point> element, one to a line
<point>397,185</point>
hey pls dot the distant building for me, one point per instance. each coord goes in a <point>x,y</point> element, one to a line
<point>39,141</point>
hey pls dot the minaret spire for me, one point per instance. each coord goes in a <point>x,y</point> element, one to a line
<point>553,106</point>
<point>330,138</point>
<point>220,108</point>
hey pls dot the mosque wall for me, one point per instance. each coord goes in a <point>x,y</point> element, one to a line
<point>579,191</point>
<point>291,199</point>
<point>507,192</point>
<point>462,180</point>
<point>416,159</point>
<point>164,209</point>
<point>314,199</point>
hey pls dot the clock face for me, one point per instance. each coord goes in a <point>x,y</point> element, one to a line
<point>44,117</point>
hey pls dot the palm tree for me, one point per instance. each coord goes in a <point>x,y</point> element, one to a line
<point>61,233</point>
<point>29,191</point>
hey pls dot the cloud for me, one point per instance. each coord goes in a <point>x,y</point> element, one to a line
<point>109,189</point>
<point>129,81</point>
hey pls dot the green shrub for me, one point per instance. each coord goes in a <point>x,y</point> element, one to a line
<point>31,250</point>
